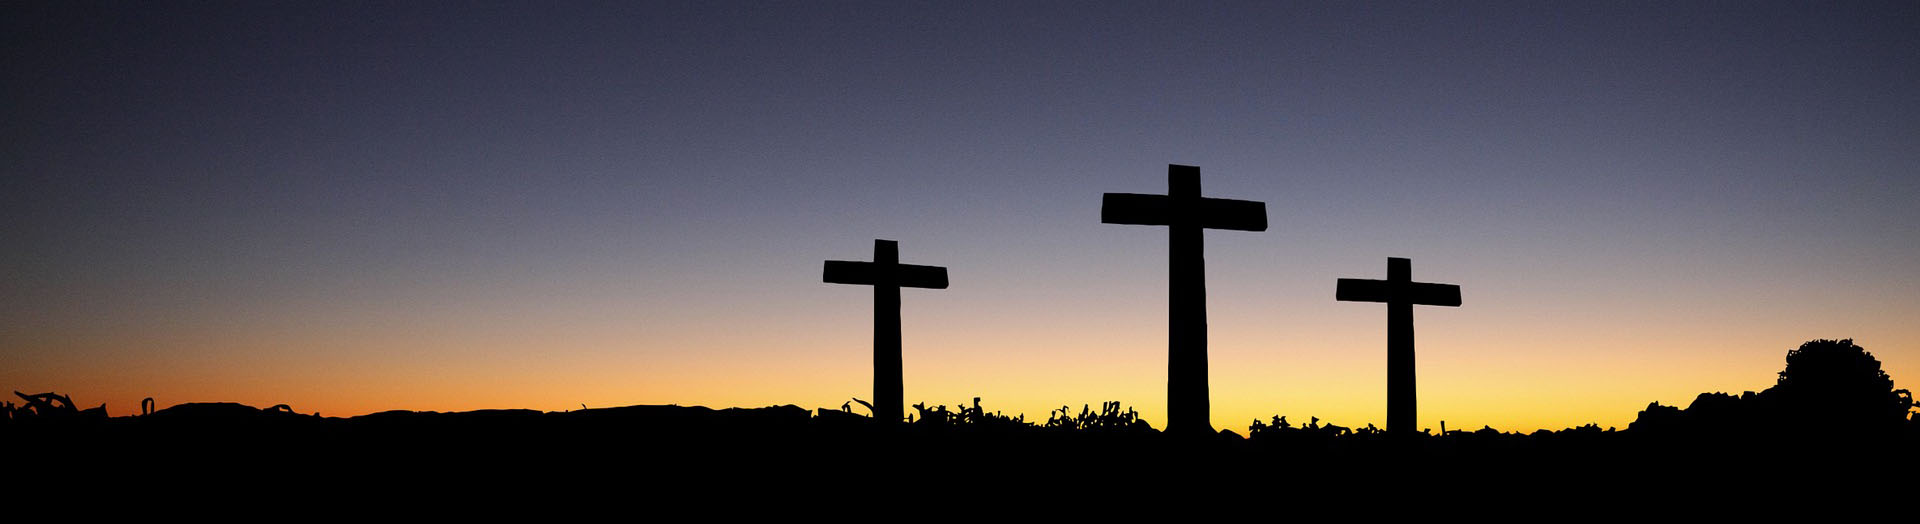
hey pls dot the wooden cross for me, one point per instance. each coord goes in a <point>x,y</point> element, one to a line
<point>1187,214</point>
<point>1400,293</point>
<point>887,275</point>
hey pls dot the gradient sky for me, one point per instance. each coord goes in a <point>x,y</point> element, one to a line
<point>354,207</point>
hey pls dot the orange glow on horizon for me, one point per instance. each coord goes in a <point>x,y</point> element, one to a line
<point>1551,377</point>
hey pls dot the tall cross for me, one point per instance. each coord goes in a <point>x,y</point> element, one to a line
<point>1186,213</point>
<point>887,275</point>
<point>1400,293</point>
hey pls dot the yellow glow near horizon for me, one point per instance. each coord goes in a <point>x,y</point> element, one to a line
<point>1550,376</point>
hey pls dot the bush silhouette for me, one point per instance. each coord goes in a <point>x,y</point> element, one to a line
<point>1829,389</point>
<point>1840,384</point>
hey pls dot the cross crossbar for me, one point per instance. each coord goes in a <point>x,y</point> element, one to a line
<point>1416,293</point>
<point>1163,210</point>
<point>878,274</point>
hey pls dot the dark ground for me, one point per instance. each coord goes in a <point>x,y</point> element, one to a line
<point>837,458</point>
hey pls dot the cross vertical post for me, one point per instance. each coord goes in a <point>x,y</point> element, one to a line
<point>1402,397</point>
<point>1187,382</point>
<point>888,384</point>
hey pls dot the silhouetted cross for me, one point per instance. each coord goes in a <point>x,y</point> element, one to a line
<point>887,275</point>
<point>1187,213</point>
<point>1400,293</point>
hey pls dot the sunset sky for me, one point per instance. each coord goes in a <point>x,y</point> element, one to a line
<point>354,207</point>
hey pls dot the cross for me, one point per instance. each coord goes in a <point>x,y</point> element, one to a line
<point>887,275</point>
<point>1186,214</point>
<point>1400,293</point>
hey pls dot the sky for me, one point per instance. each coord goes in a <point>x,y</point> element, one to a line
<point>352,207</point>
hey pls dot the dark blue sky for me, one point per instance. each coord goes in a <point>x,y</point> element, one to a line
<point>179,173</point>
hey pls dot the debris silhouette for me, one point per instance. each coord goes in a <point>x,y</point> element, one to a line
<point>53,405</point>
<point>1109,418</point>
